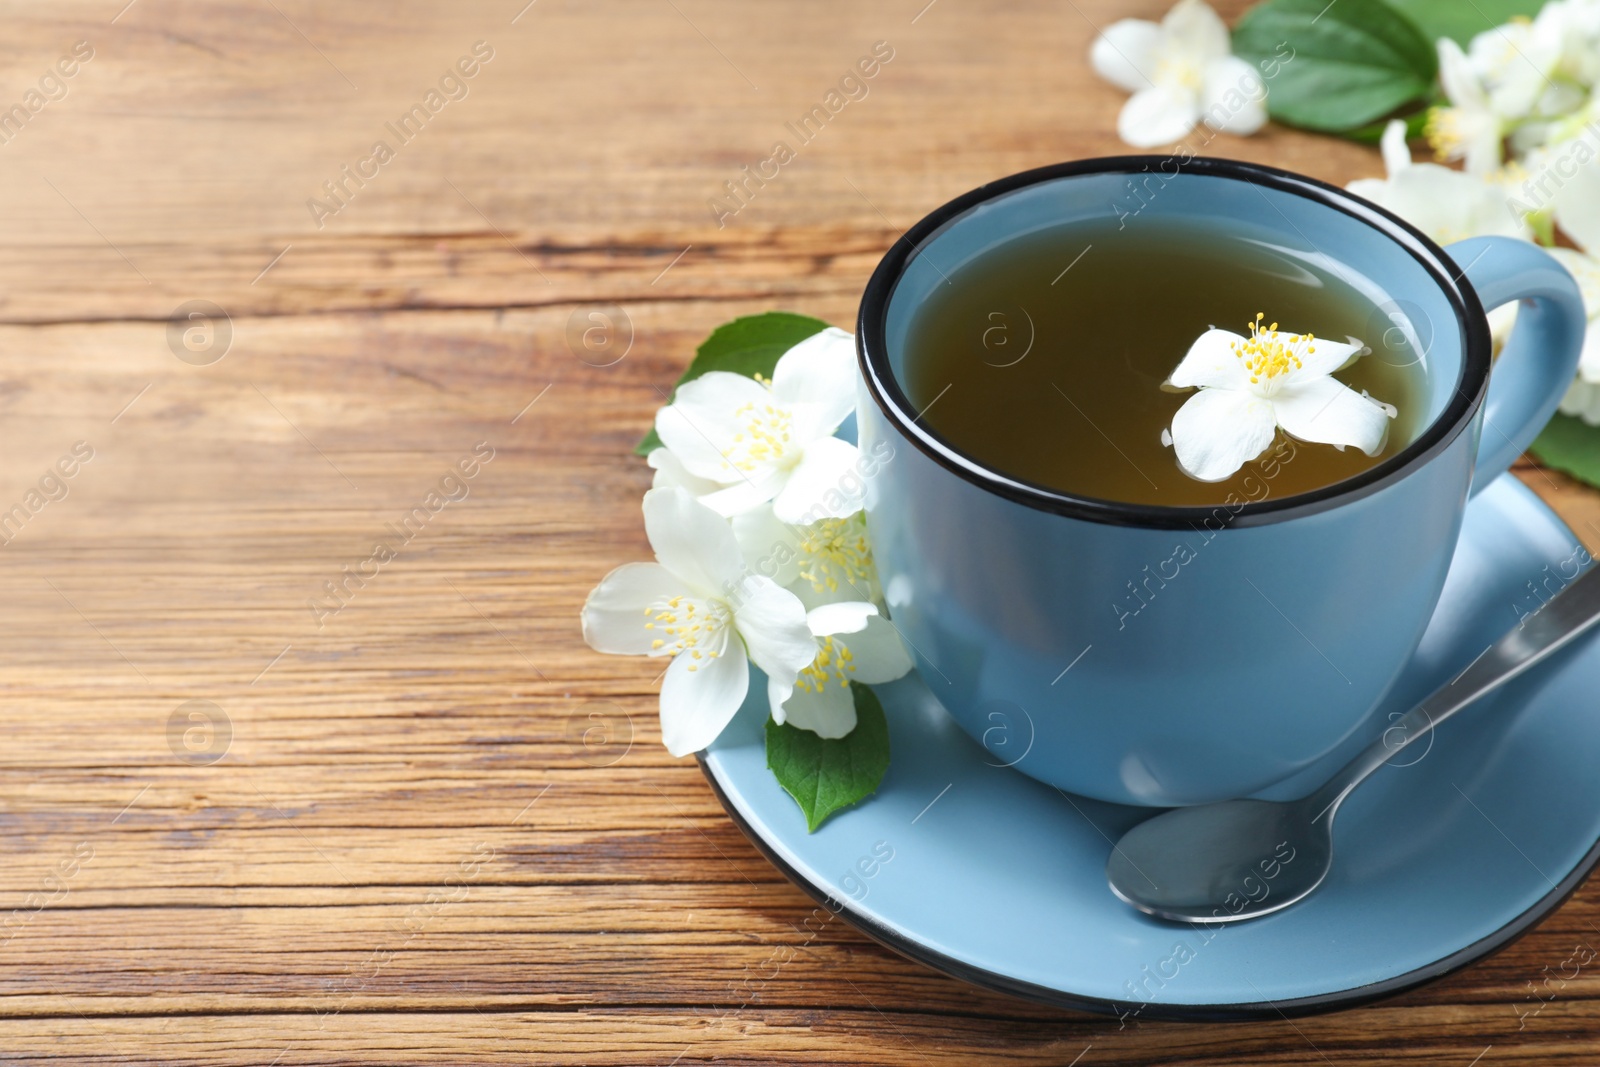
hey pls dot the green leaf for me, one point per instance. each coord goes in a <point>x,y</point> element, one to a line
<point>1571,446</point>
<point>825,775</point>
<point>1463,19</point>
<point>1336,66</point>
<point>747,346</point>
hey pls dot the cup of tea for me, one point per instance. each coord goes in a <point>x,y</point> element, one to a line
<point>1152,632</point>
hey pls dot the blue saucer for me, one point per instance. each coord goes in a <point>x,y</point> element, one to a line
<point>998,879</point>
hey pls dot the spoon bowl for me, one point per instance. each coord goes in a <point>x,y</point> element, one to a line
<point>1213,863</point>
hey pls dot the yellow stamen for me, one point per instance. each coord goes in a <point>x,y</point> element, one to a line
<point>690,625</point>
<point>764,436</point>
<point>1269,355</point>
<point>835,552</point>
<point>1444,132</point>
<point>834,662</point>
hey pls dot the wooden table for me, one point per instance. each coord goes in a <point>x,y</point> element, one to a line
<point>242,829</point>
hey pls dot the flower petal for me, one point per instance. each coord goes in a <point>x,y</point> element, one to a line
<point>1158,115</point>
<point>1211,361</point>
<point>769,547</point>
<point>777,695</point>
<point>1582,400</point>
<point>692,541</point>
<point>1234,98</point>
<point>1502,320</point>
<point>1589,362</point>
<point>1331,413</point>
<point>702,420</point>
<point>1217,431</point>
<point>671,471</point>
<point>1586,272</point>
<point>1126,54</point>
<point>699,697</point>
<point>772,622</point>
<point>1436,200</point>
<point>1577,206</point>
<point>1458,79</point>
<point>816,380</point>
<point>1195,31</point>
<point>830,713</point>
<point>614,615</point>
<point>749,492</point>
<point>1321,358</point>
<point>1513,63</point>
<point>1447,205</point>
<point>825,484</point>
<point>1481,151</point>
<point>1376,190</point>
<point>1488,211</point>
<point>843,617</point>
<point>1396,153</point>
<point>877,652</point>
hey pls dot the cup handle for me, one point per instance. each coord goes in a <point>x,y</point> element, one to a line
<point>1537,365</point>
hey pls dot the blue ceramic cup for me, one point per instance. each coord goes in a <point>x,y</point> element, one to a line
<point>1257,665</point>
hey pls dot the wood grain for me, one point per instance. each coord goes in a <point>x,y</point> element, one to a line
<point>405,852</point>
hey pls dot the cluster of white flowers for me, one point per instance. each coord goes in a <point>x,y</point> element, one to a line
<point>1524,121</point>
<point>1525,117</point>
<point>761,554</point>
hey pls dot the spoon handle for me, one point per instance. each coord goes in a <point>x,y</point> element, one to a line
<point>1562,618</point>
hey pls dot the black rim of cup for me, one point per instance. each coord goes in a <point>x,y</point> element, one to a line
<point>872,350</point>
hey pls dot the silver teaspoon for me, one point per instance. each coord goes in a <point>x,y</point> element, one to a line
<point>1241,859</point>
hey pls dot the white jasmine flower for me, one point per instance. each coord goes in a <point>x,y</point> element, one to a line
<point>831,557</point>
<point>1583,398</point>
<point>858,645</point>
<point>1250,386</point>
<point>1470,129</point>
<point>1180,71</point>
<point>1447,205</point>
<point>756,440</point>
<point>1516,62</point>
<point>828,565</point>
<point>698,605</point>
